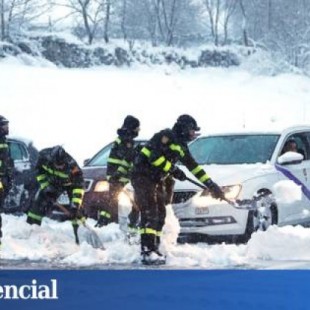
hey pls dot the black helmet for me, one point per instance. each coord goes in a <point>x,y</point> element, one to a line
<point>58,154</point>
<point>184,124</point>
<point>130,127</point>
<point>4,130</point>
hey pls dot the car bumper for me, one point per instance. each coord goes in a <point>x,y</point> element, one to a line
<point>214,218</point>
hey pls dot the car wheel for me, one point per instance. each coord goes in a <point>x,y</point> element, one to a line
<point>265,215</point>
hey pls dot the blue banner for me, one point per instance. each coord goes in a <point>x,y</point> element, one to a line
<point>154,289</point>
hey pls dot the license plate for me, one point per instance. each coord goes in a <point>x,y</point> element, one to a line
<point>200,211</point>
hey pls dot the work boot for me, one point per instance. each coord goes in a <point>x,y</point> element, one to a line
<point>152,258</point>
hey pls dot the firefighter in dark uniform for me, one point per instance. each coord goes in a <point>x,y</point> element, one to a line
<point>57,172</point>
<point>6,166</point>
<point>152,176</point>
<point>119,168</point>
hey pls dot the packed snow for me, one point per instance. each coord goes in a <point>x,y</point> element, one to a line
<point>82,109</point>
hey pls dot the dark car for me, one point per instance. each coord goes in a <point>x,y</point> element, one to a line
<point>96,184</point>
<point>25,156</point>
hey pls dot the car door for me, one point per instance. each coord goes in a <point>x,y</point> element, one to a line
<point>298,211</point>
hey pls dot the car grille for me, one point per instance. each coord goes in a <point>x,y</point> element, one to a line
<point>181,197</point>
<point>87,184</point>
<point>207,221</point>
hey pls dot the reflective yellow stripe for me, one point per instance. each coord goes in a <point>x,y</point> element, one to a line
<point>44,185</point>
<point>159,233</point>
<point>78,191</point>
<point>55,172</point>
<point>159,161</point>
<point>77,200</point>
<point>41,177</point>
<point>35,216</point>
<point>122,170</point>
<point>177,148</point>
<point>105,214</point>
<point>1,185</point>
<point>124,180</point>
<point>118,140</point>
<point>4,146</point>
<point>196,170</point>
<point>146,152</point>
<point>167,166</point>
<point>119,162</point>
<point>149,231</point>
<point>204,178</point>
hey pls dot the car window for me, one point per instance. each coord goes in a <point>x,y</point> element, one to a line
<point>18,151</point>
<point>101,158</point>
<point>234,149</point>
<point>302,143</point>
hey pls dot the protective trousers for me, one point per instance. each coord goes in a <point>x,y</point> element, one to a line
<point>151,198</point>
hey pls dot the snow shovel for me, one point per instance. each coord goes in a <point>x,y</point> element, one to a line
<point>245,204</point>
<point>92,237</point>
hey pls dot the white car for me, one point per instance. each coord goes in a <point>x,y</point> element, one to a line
<point>245,164</point>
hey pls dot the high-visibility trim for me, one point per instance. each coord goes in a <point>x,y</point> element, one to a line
<point>121,162</point>
<point>167,166</point>
<point>204,178</point>
<point>148,231</point>
<point>78,191</point>
<point>1,185</point>
<point>77,200</point>
<point>145,151</point>
<point>118,140</point>
<point>122,170</point>
<point>44,185</point>
<point>35,216</point>
<point>158,161</point>
<point>159,233</point>
<point>177,148</point>
<point>4,146</point>
<point>55,172</point>
<point>196,170</point>
<point>105,214</point>
<point>41,177</point>
<point>124,180</point>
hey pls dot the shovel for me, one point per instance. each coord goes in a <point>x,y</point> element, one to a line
<point>92,237</point>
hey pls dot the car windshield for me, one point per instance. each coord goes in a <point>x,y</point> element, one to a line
<point>234,149</point>
<point>101,158</point>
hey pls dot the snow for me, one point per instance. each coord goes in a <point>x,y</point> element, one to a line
<point>53,244</point>
<point>81,109</point>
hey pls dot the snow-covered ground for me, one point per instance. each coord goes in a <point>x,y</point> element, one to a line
<point>81,109</point>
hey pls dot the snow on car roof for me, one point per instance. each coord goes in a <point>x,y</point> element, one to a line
<point>246,131</point>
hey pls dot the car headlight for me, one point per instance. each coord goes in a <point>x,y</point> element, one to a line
<point>232,192</point>
<point>101,186</point>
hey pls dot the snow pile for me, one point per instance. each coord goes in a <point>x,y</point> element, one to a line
<point>287,191</point>
<point>53,243</point>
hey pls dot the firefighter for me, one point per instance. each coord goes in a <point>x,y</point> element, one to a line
<point>57,172</point>
<point>152,175</point>
<point>119,168</point>
<point>6,166</point>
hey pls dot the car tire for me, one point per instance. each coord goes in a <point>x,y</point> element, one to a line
<point>260,219</point>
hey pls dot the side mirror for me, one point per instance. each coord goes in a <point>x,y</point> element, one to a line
<point>290,158</point>
<point>86,161</point>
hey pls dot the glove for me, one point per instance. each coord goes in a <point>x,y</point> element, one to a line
<point>214,189</point>
<point>50,190</point>
<point>178,174</point>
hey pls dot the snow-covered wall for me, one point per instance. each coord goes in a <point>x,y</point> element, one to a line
<point>73,54</point>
